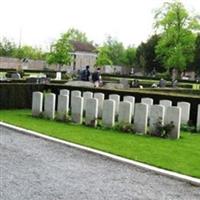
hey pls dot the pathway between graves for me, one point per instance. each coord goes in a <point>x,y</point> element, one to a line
<point>34,168</point>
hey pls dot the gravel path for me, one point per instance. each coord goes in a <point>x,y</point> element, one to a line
<point>32,168</point>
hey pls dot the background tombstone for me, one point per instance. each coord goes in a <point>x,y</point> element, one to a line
<point>156,116</point>
<point>116,98</point>
<point>141,118</point>
<point>86,95</point>
<point>108,115</point>
<point>37,103</point>
<point>63,107</point>
<point>125,83</point>
<point>165,103</point>
<point>100,97</point>
<point>132,101</point>
<point>198,119</point>
<point>77,110</point>
<point>173,115</point>
<point>91,111</point>
<point>75,93</point>
<point>64,92</point>
<point>125,112</point>
<point>49,105</point>
<point>149,102</point>
<point>185,111</point>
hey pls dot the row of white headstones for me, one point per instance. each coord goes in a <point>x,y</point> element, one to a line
<point>95,107</point>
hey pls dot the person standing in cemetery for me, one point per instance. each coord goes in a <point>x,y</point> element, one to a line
<point>85,74</point>
<point>96,77</point>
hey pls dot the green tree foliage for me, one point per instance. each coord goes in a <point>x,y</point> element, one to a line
<point>103,58</point>
<point>7,48</point>
<point>146,56</point>
<point>60,51</point>
<point>177,42</point>
<point>196,62</point>
<point>130,56</point>
<point>113,52</point>
<point>76,35</point>
<point>29,52</point>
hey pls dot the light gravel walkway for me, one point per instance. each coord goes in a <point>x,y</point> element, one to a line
<point>32,168</point>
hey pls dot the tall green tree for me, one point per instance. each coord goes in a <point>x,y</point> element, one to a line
<point>146,56</point>
<point>116,51</point>
<point>29,52</point>
<point>76,35</point>
<point>7,48</point>
<point>103,57</point>
<point>177,42</point>
<point>130,56</point>
<point>196,62</point>
<point>60,51</point>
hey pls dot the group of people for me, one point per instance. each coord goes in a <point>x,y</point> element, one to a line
<point>95,76</point>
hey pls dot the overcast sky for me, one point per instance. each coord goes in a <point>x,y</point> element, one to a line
<point>39,22</point>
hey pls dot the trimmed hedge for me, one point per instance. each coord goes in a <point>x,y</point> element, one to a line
<point>142,77</point>
<point>14,96</point>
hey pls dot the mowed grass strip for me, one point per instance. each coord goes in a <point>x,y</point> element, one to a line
<point>181,156</point>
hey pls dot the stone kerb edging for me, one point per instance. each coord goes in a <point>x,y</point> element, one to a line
<point>174,175</point>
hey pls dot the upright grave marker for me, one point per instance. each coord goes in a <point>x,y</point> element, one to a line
<point>37,103</point>
<point>108,116</point>
<point>100,97</point>
<point>173,117</point>
<point>125,111</point>
<point>86,95</point>
<point>49,105</point>
<point>63,107</point>
<point>64,92</point>
<point>132,101</point>
<point>116,98</point>
<point>149,102</point>
<point>198,118</point>
<point>156,116</point>
<point>91,110</point>
<point>185,111</point>
<point>77,110</point>
<point>141,118</point>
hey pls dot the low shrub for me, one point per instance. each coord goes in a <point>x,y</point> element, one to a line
<point>161,130</point>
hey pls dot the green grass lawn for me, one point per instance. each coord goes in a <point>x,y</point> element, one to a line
<point>181,156</point>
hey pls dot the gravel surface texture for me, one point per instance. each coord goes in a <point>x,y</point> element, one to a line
<point>32,168</point>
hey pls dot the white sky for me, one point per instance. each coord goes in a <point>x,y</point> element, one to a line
<point>42,21</point>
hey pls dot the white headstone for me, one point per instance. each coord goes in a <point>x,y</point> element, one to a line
<point>165,103</point>
<point>124,82</point>
<point>185,111</point>
<point>149,102</point>
<point>173,116</point>
<point>198,119</point>
<point>91,110</point>
<point>75,93</point>
<point>58,75</point>
<point>116,98</point>
<point>141,118</point>
<point>86,95</point>
<point>63,107</point>
<point>37,103</point>
<point>132,101</point>
<point>108,116</point>
<point>64,92</point>
<point>77,110</point>
<point>49,105</point>
<point>156,116</point>
<point>100,97</point>
<point>125,111</point>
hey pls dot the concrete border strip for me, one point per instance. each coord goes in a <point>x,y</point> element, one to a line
<point>181,177</point>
